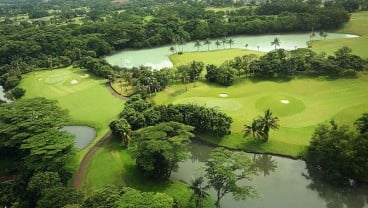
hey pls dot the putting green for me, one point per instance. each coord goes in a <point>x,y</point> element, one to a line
<point>85,97</point>
<point>281,105</point>
<point>310,102</point>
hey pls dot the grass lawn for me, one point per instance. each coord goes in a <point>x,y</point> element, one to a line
<point>357,25</point>
<point>88,101</point>
<point>113,165</point>
<point>312,101</point>
<point>210,57</point>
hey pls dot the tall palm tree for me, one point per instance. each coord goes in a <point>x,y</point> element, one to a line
<point>231,41</point>
<point>224,41</point>
<point>208,43</point>
<point>276,42</point>
<point>197,44</point>
<point>199,191</point>
<point>268,122</point>
<point>254,129</point>
<point>218,43</point>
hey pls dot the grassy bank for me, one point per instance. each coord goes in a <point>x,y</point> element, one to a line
<point>113,165</point>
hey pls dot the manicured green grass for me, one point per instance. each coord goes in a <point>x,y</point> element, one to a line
<point>89,102</point>
<point>113,165</point>
<point>312,101</point>
<point>210,57</point>
<point>357,25</point>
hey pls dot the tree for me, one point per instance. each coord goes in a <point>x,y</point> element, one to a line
<point>48,151</point>
<point>224,41</point>
<point>26,117</point>
<point>208,43</point>
<point>230,41</point>
<point>58,197</point>
<point>122,129</point>
<point>246,46</point>
<point>197,44</point>
<point>103,198</point>
<point>172,49</point>
<point>276,42</point>
<point>224,169</point>
<point>199,191</point>
<point>18,92</point>
<point>218,43</point>
<point>254,129</point>
<point>362,123</point>
<point>134,198</point>
<point>268,122</point>
<point>158,149</point>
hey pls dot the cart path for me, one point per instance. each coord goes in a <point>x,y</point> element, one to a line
<point>79,175</point>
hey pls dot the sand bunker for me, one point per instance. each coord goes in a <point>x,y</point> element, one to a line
<point>74,82</point>
<point>85,76</point>
<point>223,94</point>
<point>283,101</point>
<point>39,79</point>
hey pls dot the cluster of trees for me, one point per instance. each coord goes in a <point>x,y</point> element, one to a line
<point>140,113</point>
<point>29,135</point>
<point>280,63</point>
<point>339,155</point>
<point>260,127</point>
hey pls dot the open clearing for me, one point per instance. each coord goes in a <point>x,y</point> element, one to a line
<point>300,104</point>
<point>86,97</point>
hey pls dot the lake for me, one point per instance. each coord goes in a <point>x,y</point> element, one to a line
<point>282,183</point>
<point>158,58</point>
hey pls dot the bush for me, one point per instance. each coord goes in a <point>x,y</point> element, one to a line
<point>18,92</point>
<point>349,73</point>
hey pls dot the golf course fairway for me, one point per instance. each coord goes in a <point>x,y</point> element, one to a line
<point>301,104</point>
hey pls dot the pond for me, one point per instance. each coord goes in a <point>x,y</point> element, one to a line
<point>281,183</point>
<point>2,95</point>
<point>158,58</point>
<point>83,135</point>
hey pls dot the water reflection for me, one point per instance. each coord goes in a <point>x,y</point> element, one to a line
<point>282,183</point>
<point>335,196</point>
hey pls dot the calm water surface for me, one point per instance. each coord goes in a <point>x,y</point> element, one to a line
<point>83,135</point>
<point>282,183</point>
<point>158,58</point>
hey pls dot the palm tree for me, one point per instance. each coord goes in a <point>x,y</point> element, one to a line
<point>268,122</point>
<point>276,42</point>
<point>172,49</point>
<point>231,41</point>
<point>218,43</point>
<point>254,129</point>
<point>199,191</point>
<point>224,41</point>
<point>246,46</point>
<point>197,44</point>
<point>207,42</point>
<point>181,43</point>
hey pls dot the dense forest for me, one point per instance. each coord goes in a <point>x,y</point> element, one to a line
<point>58,34</point>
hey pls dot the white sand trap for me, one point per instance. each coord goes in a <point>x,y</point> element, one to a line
<point>85,76</point>
<point>223,94</point>
<point>39,79</point>
<point>74,82</point>
<point>283,101</point>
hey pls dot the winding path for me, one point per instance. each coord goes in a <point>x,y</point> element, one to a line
<point>78,177</point>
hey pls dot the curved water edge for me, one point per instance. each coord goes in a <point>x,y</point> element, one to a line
<point>282,182</point>
<point>2,95</point>
<point>84,135</point>
<point>158,58</point>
